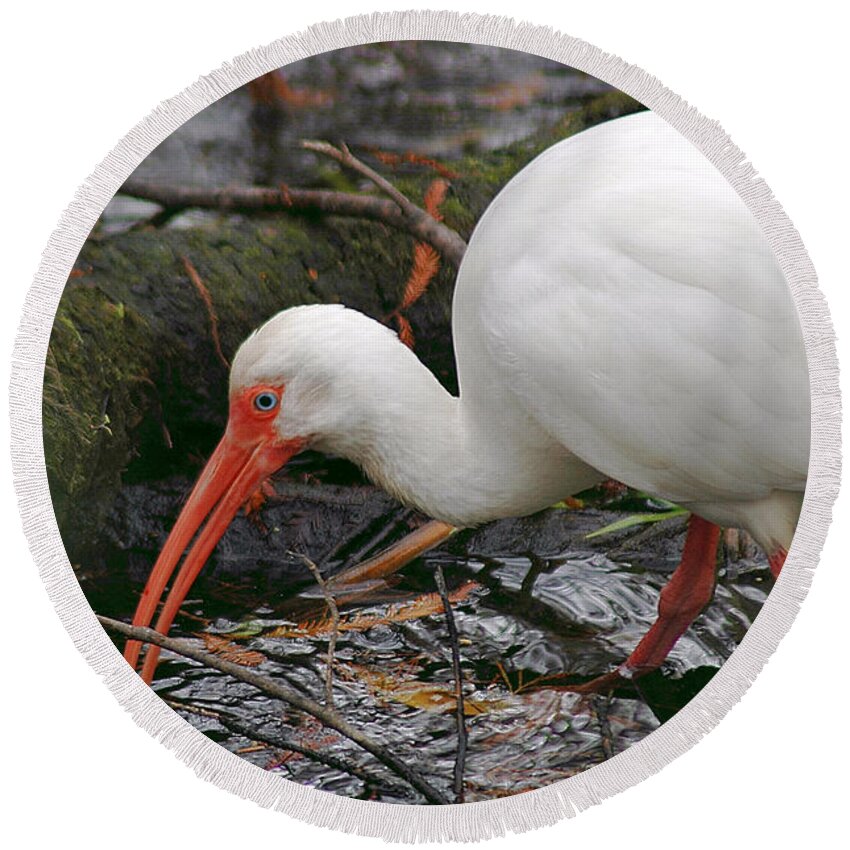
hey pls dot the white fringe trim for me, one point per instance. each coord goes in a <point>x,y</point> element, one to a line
<point>472,821</point>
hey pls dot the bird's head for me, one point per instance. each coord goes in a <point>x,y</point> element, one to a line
<point>288,387</point>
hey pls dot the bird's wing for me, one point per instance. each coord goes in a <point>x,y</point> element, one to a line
<point>626,296</point>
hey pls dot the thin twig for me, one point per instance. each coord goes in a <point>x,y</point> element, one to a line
<point>600,705</point>
<point>460,714</point>
<point>424,217</point>
<point>332,639</point>
<point>325,715</point>
<point>256,199</point>
<point>345,157</point>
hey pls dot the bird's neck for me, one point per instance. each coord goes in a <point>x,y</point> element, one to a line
<point>452,458</point>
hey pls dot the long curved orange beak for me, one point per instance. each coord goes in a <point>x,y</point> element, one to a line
<point>249,452</point>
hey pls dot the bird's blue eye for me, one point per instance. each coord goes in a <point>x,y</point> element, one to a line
<point>265,401</point>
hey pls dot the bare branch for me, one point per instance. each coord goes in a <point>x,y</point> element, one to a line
<point>345,157</point>
<point>446,242</point>
<point>460,714</point>
<point>256,199</point>
<point>327,716</point>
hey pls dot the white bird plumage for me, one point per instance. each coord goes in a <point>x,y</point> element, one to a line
<point>618,314</point>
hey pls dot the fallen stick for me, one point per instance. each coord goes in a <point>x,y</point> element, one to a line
<point>280,742</point>
<point>284,199</point>
<point>346,158</point>
<point>428,220</point>
<point>325,715</point>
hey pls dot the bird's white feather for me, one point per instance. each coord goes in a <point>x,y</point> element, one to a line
<point>618,313</point>
<point>625,297</point>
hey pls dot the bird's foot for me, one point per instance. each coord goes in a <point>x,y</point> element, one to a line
<point>688,591</point>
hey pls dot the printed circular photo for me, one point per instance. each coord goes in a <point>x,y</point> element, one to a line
<point>427,422</point>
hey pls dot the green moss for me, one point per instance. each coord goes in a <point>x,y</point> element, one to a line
<point>96,389</point>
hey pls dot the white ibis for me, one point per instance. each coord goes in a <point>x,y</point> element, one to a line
<point>618,314</point>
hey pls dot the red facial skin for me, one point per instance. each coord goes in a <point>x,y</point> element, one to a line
<point>249,452</point>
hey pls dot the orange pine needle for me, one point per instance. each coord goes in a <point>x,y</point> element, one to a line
<point>434,196</point>
<point>195,278</point>
<point>393,160</point>
<point>230,651</point>
<point>426,605</point>
<point>405,331</point>
<point>441,169</point>
<point>426,263</point>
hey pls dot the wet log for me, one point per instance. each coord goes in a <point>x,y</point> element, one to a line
<point>135,380</point>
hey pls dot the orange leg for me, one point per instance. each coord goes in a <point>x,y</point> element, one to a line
<point>683,598</point>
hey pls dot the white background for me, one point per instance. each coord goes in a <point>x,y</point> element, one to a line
<point>77,76</point>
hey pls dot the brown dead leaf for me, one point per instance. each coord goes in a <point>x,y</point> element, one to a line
<point>424,696</point>
<point>251,748</point>
<point>78,272</point>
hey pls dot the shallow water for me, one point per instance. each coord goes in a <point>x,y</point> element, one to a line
<point>529,622</point>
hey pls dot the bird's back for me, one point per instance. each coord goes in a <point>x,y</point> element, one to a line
<point>627,298</point>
